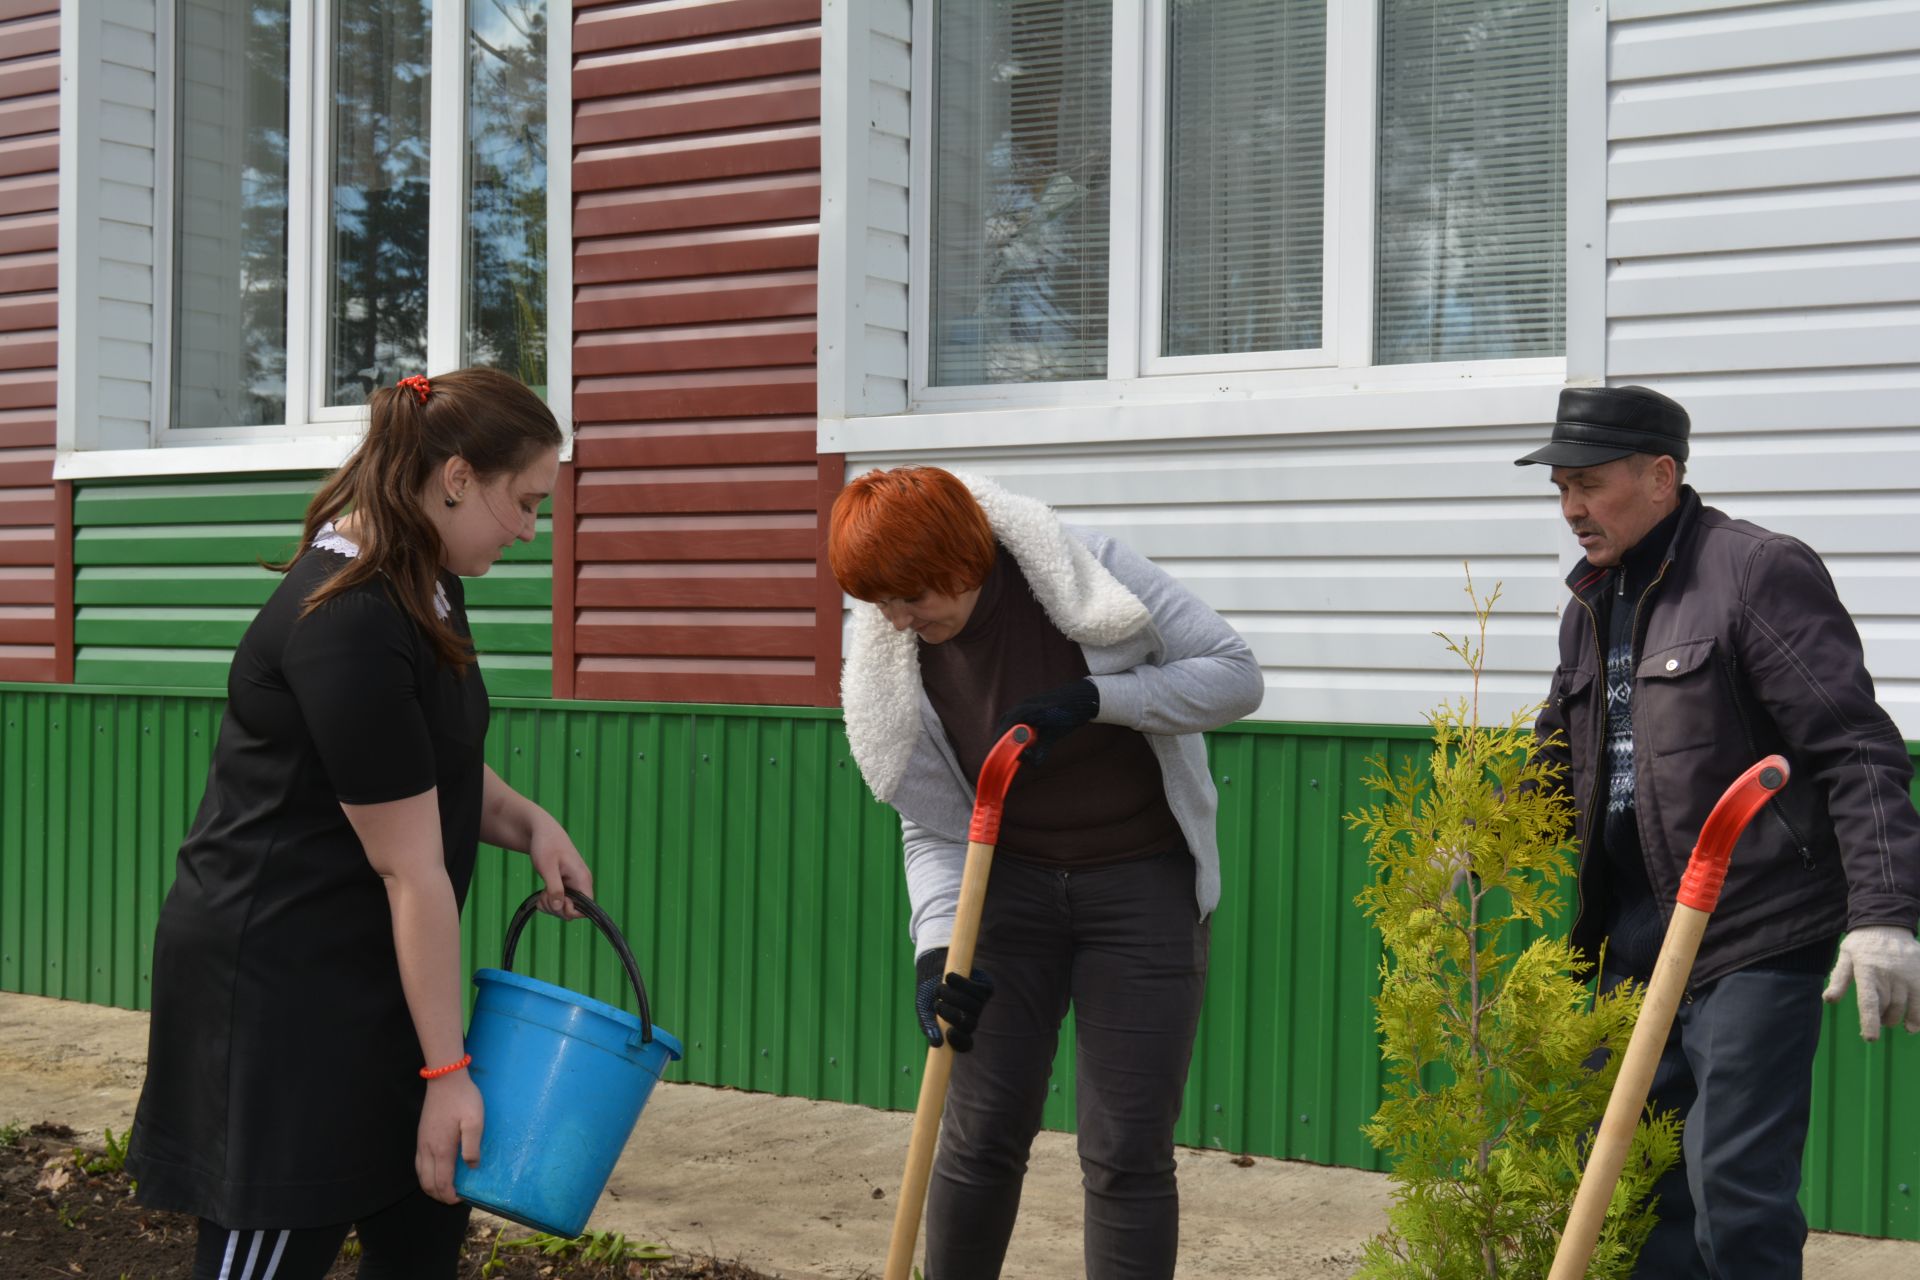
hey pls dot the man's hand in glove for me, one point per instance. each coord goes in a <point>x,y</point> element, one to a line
<point>1052,716</point>
<point>957,999</point>
<point>1884,961</point>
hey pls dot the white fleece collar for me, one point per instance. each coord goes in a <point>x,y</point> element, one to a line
<point>880,683</point>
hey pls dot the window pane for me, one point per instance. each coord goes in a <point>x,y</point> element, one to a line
<point>1472,232</point>
<point>377,200</point>
<point>1020,179</point>
<point>230,246</point>
<point>1246,175</point>
<point>506,221</point>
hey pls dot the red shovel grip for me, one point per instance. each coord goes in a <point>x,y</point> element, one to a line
<point>1707,868</point>
<point>996,775</point>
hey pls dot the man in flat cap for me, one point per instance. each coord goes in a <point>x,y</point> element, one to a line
<point>1694,645</point>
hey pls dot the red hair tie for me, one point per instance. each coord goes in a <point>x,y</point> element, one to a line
<point>417,384</point>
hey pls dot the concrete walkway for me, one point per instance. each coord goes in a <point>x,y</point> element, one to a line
<point>806,1188</point>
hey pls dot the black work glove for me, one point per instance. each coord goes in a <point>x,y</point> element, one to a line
<point>957,999</point>
<point>1052,716</point>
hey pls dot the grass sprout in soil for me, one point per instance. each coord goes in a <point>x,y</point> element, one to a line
<point>67,1209</point>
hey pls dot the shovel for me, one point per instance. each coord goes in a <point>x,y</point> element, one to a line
<point>1699,893</point>
<point>996,775</point>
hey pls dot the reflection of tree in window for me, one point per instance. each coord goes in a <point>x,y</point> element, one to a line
<point>377,312</point>
<point>230,223</point>
<point>1472,180</point>
<point>1245,181</point>
<point>505,318</point>
<point>1021,191</point>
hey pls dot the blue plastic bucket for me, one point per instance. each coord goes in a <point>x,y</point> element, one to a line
<point>563,1077</point>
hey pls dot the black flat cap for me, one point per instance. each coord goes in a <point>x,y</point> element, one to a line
<point>1598,424</point>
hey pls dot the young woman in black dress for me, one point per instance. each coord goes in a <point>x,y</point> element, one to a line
<point>305,1070</point>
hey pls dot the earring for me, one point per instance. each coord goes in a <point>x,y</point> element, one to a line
<point>452,501</point>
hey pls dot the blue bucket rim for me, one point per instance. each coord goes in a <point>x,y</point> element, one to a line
<point>507,977</point>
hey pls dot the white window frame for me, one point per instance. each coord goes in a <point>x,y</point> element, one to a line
<point>1137,375</point>
<point>317,435</point>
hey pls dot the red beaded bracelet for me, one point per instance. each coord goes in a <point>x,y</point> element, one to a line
<point>434,1073</point>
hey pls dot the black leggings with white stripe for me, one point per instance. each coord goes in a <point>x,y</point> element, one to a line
<point>416,1239</point>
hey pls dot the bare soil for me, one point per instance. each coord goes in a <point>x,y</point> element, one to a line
<point>67,1212</point>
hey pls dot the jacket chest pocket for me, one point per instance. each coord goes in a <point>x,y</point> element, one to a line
<point>1677,702</point>
<point>1574,697</point>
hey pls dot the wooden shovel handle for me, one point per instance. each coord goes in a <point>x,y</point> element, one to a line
<point>990,796</point>
<point>1699,893</point>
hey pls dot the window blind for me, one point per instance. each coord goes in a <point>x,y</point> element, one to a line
<point>1018,264</point>
<point>1471,252</point>
<point>1245,176</point>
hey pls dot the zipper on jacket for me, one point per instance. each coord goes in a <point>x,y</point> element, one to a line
<point>1599,744</point>
<point>1635,643</point>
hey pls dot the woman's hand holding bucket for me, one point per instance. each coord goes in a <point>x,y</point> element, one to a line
<point>560,868</point>
<point>450,1125</point>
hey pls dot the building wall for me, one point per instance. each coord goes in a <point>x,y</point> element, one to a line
<point>33,548</point>
<point>689,566</point>
<point>169,574</point>
<point>1757,200</point>
<point>1763,248</point>
<point>759,884</point>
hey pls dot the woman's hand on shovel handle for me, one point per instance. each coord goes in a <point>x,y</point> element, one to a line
<point>1052,715</point>
<point>959,1000</point>
<point>450,1124</point>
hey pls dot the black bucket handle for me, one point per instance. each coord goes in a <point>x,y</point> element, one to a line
<point>591,910</point>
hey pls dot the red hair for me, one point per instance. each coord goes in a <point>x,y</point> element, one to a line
<point>912,529</point>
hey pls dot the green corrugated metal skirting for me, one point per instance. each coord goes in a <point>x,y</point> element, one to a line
<point>760,885</point>
<point>168,575</point>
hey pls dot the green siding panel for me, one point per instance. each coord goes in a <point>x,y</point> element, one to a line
<point>168,575</point>
<point>760,886</point>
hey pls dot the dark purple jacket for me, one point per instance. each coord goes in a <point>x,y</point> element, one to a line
<point>1744,650</point>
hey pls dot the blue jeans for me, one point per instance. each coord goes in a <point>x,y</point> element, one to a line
<point>1738,1067</point>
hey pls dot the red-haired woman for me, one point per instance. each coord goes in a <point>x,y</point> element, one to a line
<point>304,1069</point>
<point>982,608</point>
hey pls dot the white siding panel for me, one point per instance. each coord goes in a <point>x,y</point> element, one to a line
<point>1849,90</point>
<point>1764,220</point>
<point>866,168</point>
<point>1764,251</point>
<point>1804,156</point>
<point>1784,340</point>
<point>1733,40</point>
<point>1813,276</point>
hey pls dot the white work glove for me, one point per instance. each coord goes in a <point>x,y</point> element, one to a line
<point>1885,961</point>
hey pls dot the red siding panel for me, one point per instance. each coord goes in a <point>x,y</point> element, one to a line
<point>34,611</point>
<point>695,510</point>
<point>779,197</point>
<point>724,106</point>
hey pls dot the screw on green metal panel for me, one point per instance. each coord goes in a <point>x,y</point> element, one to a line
<point>1314,783</point>
<point>1224,779</point>
<point>833,1062</point>
<point>1216,1106</point>
<point>1303,1117</point>
<point>771,760</point>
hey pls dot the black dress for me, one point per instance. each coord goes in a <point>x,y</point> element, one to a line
<point>283,1085</point>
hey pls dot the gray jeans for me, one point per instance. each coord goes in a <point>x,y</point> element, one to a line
<point>1125,947</point>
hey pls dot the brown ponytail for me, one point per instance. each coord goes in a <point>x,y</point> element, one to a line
<point>482,415</point>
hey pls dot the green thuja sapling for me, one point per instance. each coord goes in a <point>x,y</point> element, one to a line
<point>1490,1041</point>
